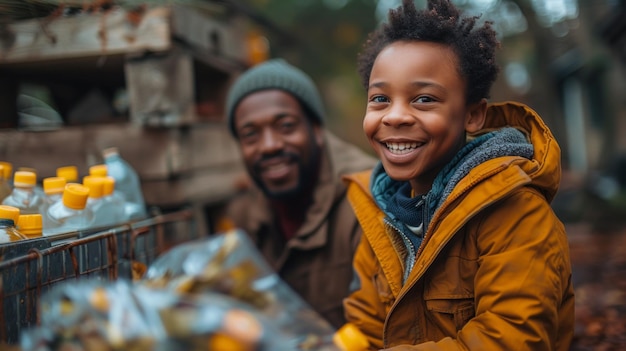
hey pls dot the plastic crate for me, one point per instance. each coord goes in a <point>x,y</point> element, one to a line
<point>32,267</point>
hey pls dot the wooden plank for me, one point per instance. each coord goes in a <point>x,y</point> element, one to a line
<point>93,34</point>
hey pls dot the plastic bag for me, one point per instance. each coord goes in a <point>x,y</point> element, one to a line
<point>105,316</point>
<point>229,264</point>
<point>212,294</point>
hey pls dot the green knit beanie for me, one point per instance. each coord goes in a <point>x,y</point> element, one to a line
<point>275,74</point>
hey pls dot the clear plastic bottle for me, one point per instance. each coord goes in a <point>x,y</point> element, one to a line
<point>5,187</point>
<point>24,196</point>
<point>53,189</point>
<point>38,187</point>
<point>126,182</point>
<point>8,231</point>
<point>30,225</point>
<point>99,170</point>
<point>70,173</point>
<point>102,211</point>
<point>113,200</point>
<point>70,214</point>
<point>8,170</point>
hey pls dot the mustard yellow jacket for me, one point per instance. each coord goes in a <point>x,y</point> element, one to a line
<point>493,271</point>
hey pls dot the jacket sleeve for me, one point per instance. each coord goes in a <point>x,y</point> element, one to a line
<point>363,307</point>
<point>523,291</point>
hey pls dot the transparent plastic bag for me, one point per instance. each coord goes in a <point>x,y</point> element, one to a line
<point>104,316</point>
<point>230,264</point>
<point>213,294</point>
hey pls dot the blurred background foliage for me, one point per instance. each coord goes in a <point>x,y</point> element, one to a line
<point>564,58</point>
<point>545,44</point>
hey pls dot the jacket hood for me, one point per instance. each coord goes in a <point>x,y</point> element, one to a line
<point>544,168</point>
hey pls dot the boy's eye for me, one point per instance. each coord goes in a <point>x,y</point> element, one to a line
<point>424,99</point>
<point>379,98</point>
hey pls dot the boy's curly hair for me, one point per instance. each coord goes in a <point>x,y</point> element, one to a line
<point>441,23</point>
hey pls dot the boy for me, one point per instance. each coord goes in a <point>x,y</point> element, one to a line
<point>460,248</point>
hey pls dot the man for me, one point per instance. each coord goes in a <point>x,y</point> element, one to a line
<point>296,212</point>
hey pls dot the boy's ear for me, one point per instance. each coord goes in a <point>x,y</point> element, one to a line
<point>476,115</point>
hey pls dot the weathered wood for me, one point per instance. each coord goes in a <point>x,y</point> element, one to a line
<point>176,165</point>
<point>92,34</point>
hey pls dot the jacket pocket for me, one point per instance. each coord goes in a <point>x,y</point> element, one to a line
<point>451,312</point>
<point>384,290</point>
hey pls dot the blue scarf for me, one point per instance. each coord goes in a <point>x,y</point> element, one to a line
<point>406,214</point>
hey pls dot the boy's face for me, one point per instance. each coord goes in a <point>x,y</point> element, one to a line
<point>416,115</point>
<point>280,147</point>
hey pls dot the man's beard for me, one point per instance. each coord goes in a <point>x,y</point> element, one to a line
<point>307,174</point>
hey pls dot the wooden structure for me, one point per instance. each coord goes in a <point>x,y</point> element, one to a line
<point>150,81</point>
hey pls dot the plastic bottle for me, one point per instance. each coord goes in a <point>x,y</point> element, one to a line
<point>53,189</point>
<point>126,182</point>
<point>98,170</point>
<point>70,173</point>
<point>5,187</point>
<point>8,171</point>
<point>8,231</point>
<point>30,225</point>
<point>24,195</point>
<point>38,187</point>
<point>102,211</point>
<point>114,200</point>
<point>70,214</point>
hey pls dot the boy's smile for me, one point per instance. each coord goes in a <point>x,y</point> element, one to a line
<point>417,116</point>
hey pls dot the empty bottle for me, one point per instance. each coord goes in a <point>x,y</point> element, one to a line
<point>8,170</point>
<point>70,173</point>
<point>69,214</point>
<point>114,200</point>
<point>98,170</point>
<point>8,231</point>
<point>30,225</point>
<point>103,212</point>
<point>126,182</point>
<point>5,187</point>
<point>24,196</point>
<point>53,189</point>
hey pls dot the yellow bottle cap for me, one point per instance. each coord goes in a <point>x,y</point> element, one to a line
<point>24,178</point>
<point>30,225</point>
<point>9,212</point>
<point>8,169</point>
<point>27,169</point>
<point>75,196</point>
<point>95,185</point>
<point>350,338</point>
<point>221,341</point>
<point>108,186</point>
<point>98,170</point>
<point>54,185</point>
<point>70,173</point>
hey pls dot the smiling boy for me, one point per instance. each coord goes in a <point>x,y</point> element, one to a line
<point>460,249</point>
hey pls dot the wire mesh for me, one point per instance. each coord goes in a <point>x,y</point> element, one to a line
<point>30,268</point>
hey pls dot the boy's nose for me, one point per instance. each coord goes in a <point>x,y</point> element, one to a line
<point>398,116</point>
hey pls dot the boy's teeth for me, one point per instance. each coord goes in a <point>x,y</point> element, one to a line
<point>400,146</point>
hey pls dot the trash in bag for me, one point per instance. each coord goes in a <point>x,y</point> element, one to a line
<point>229,263</point>
<point>93,315</point>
